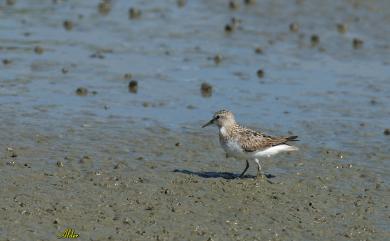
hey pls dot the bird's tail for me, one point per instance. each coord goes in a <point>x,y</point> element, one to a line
<point>292,138</point>
<point>292,148</point>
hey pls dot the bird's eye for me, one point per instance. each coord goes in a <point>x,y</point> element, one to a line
<point>217,117</point>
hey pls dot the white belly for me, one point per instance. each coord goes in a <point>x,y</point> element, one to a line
<point>233,149</point>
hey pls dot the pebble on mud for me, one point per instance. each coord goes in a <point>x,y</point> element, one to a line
<point>315,40</point>
<point>233,5</point>
<point>128,76</point>
<point>181,3</point>
<point>133,86</point>
<point>386,132</point>
<point>11,2</point>
<point>258,50</point>
<point>217,59</point>
<point>38,50</point>
<point>206,89</point>
<point>7,61</point>
<point>342,28</point>
<point>85,159</point>
<point>357,43</point>
<point>60,164</point>
<point>260,73</point>
<point>228,28</point>
<point>64,70</point>
<point>249,2</point>
<point>134,13</point>
<point>104,7</point>
<point>294,27</point>
<point>81,91</point>
<point>68,25</point>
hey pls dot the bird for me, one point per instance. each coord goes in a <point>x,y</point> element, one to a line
<point>247,144</point>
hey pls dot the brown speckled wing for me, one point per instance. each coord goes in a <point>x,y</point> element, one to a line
<point>254,141</point>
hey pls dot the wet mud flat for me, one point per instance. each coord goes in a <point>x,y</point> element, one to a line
<point>168,192</point>
<point>102,101</point>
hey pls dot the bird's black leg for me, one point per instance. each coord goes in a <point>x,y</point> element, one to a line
<point>246,168</point>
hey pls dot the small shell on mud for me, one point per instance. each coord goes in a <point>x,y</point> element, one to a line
<point>233,5</point>
<point>11,163</point>
<point>228,28</point>
<point>357,43</point>
<point>38,50</point>
<point>133,86</point>
<point>134,13</point>
<point>206,89</point>
<point>294,27</point>
<point>342,28</point>
<point>104,7</point>
<point>7,61</point>
<point>258,50</point>
<point>315,40</point>
<point>386,132</point>
<point>181,3</point>
<point>81,91</point>
<point>68,25</point>
<point>260,73</point>
<point>64,70</point>
<point>217,58</point>
<point>128,76</point>
<point>249,2</point>
<point>10,2</point>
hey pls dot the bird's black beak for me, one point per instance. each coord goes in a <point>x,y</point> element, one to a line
<point>209,123</point>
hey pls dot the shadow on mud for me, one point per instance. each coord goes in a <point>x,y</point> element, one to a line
<point>224,175</point>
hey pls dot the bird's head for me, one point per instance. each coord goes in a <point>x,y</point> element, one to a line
<point>221,118</point>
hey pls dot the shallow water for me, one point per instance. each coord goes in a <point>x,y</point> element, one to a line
<point>335,97</point>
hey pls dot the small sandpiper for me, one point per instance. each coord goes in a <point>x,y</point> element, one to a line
<point>244,143</point>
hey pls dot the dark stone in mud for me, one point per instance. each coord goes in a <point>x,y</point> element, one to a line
<point>60,164</point>
<point>7,61</point>
<point>315,40</point>
<point>206,89</point>
<point>68,25</point>
<point>128,76</point>
<point>38,50</point>
<point>181,3</point>
<point>145,104</point>
<point>258,50</point>
<point>133,86</point>
<point>10,2</point>
<point>228,28</point>
<point>294,27</point>
<point>248,2</point>
<point>134,13</point>
<point>85,159</point>
<point>386,132</point>
<point>104,7</point>
<point>233,5</point>
<point>357,43</point>
<point>260,73</point>
<point>97,55</point>
<point>81,91</point>
<point>64,70</point>
<point>342,28</point>
<point>217,58</point>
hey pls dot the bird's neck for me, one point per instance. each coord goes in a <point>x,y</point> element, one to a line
<point>225,130</point>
